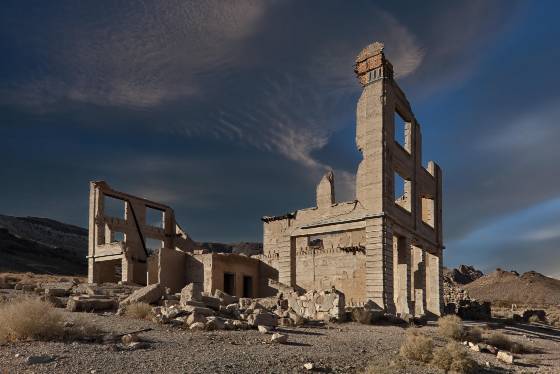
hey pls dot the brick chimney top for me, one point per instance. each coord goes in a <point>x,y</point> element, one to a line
<point>372,65</point>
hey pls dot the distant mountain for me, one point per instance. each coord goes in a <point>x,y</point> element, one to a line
<point>248,248</point>
<point>464,274</point>
<point>511,288</point>
<point>41,245</point>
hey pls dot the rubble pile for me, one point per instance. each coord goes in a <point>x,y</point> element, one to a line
<point>198,310</point>
<point>457,300</point>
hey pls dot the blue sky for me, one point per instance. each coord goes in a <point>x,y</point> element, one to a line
<point>229,111</point>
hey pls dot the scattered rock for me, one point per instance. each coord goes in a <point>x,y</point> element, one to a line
<point>505,357</point>
<point>279,338</point>
<point>91,303</point>
<point>264,329</point>
<point>43,359</point>
<point>197,326</point>
<point>191,292</point>
<point>308,366</point>
<point>138,345</point>
<point>149,294</point>
<point>130,338</point>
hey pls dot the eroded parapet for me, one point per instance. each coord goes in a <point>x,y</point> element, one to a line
<point>125,231</point>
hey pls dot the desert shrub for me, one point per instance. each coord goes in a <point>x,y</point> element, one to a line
<point>28,318</point>
<point>383,367</point>
<point>451,327</point>
<point>501,341</point>
<point>81,327</point>
<point>417,347</point>
<point>474,334</point>
<point>454,359</point>
<point>553,319</point>
<point>139,311</point>
<point>534,319</point>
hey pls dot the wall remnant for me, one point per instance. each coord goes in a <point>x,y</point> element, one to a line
<point>386,246</point>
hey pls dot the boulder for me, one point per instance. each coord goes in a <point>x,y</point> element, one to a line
<point>215,323</point>
<point>241,325</point>
<point>191,292</point>
<point>279,338</point>
<point>149,294</point>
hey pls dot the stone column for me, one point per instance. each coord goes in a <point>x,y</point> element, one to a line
<point>418,280</point>
<point>286,261</point>
<point>401,274</point>
<point>434,294</point>
<point>379,263</point>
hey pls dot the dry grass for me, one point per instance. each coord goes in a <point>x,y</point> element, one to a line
<point>417,347</point>
<point>28,318</point>
<point>534,319</point>
<point>453,358</point>
<point>139,311</point>
<point>553,318</point>
<point>451,327</point>
<point>501,341</point>
<point>474,334</point>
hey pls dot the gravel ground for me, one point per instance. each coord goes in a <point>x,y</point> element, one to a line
<point>338,348</point>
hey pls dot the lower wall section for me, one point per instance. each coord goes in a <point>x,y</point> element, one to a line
<point>323,269</point>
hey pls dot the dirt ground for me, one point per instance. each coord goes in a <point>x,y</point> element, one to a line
<point>336,348</point>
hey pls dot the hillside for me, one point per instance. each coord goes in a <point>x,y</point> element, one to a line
<point>39,245</point>
<point>512,288</point>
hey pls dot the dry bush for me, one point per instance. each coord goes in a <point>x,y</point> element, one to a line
<point>27,318</point>
<point>417,347</point>
<point>139,311</point>
<point>454,358</point>
<point>501,341</point>
<point>81,327</point>
<point>451,327</point>
<point>534,319</point>
<point>553,319</point>
<point>474,334</point>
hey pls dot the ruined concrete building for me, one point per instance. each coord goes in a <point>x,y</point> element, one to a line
<point>385,246</point>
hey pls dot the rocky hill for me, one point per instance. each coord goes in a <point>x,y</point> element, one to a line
<point>508,287</point>
<point>40,245</point>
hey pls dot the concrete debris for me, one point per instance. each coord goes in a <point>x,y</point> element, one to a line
<point>191,292</point>
<point>43,359</point>
<point>91,303</point>
<point>505,357</point>
<point>264,329</point>
<point>279,338</point>
<point>149,294</point>
<point>197,326</point>
<point>308,366</point>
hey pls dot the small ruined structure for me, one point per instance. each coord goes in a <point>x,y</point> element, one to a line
<point>137,241</point>
<point>385,246</point>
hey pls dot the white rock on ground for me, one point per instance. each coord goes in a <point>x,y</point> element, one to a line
<point>279,338</point>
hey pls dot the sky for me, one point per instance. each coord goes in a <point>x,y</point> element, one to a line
<point>232,110</point>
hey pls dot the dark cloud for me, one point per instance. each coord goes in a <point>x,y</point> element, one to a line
<point>232,110</point>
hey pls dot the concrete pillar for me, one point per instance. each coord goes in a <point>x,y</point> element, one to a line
<point>434,294</point>
<point>401,274</point>
<point>287,260</point>
<point>379,263</point>
<point>418,280</point>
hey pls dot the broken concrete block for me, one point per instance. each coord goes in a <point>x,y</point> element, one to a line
<point>264,319</point>
<point>245,302</point>
<point>200,310</point>
<point>225,298</point>
<point>505,357</point>
<point>191,292</point>
<point>130,338</point>
<point>196,317</point>
<point>149,294</point>
<point>43,359</point>
<point>264,329</point>
<point>90,304</point>
<point>308,366</point>
<point>212,302</point>
<point>197,326</point>
<point>279,338</point>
